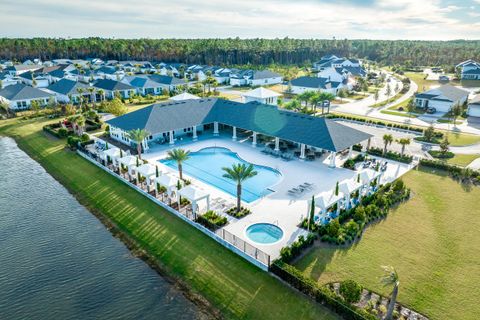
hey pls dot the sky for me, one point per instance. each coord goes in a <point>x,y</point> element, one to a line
<point>322,19</point>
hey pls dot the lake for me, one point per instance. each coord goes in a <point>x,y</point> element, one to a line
<point>57,261</point>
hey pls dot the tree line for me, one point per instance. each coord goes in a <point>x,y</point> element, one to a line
<point>236,51</point>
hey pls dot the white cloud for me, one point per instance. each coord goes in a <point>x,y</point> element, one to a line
<point>383,19</point>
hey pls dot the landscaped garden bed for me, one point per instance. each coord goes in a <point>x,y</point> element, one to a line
<point>238,214</point>
<point>211,220</point>
<point>392,155</point>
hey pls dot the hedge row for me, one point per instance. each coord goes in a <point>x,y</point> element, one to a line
<point>454,170</point>
<point>322,295</point>
<point>376,122</point>
<point>392,155</point>
<point>211,220</point>
<point>289,253</point>
<point>57,131</point>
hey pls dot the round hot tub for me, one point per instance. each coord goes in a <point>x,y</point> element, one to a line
<point>264,233</point>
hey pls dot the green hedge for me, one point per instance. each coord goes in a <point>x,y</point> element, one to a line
<point>57,131</point>
<point>441,155</point>
<point>322,295</point>
<point>288,253</point>
<point>453,170</point>
<point>211,220</point>
<point>390,155</point>
<point>376,122</point>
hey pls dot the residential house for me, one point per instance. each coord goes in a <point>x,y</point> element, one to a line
<point>474,107</point>
<point>70,91</point>
<point>167,82</point>
<point>35,80</point>
<point>6,79</point>
<point>332,61</point>
<point>469,70</point>
<point>112,87</point>
<point>144,85</point>
<point>18,69</point>
<point>184,96</point>
<point>303,84</point>
<point>442,98</point>
<point>20,96</point>
<point>255,78</point>
<point>110,73</point>
<point>261,95</point>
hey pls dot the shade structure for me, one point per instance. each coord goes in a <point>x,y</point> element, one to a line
<point>368,175</point>
<point>349,186</point>
<point>194,195</point>
<point>169,182</point>
<point>326,200</point>
<point>113,154</point>
<point>148,171</point>
<point>130,162</point>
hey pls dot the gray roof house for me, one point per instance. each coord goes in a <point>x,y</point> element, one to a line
<point>302,84</point>
<point>260,118</point>
<point>474,107</point>
<point>145,85</point>
<point>112,87</point>
<point>442,98</point>
<point>469,70</point>
<point>20,96</point>
<point>67,90</point>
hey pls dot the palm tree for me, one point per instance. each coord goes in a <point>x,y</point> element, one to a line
<point>179,155</point>
<point>239,173</point>
<point>6,107</point>
<point>391,278</point>
<point>387,139</point>
<point>80,122</point>
<point>101,93</point>
<point>404,142</point>
<point>138,135</point>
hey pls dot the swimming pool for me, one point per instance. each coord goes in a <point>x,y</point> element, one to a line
<point>206,165</point>
<point>264,233</point>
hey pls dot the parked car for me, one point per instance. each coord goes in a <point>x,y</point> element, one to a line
<point>431,110</point>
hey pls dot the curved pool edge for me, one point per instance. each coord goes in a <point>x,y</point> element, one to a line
<point>246,234</point>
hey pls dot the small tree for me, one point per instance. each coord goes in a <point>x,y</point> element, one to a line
<point>35,106</point>
<point>444,146</point>
<point>457,111</point>
<point>116,107</point>
<point>391,278</point>
<point>179,155</point>
<point>429,133</point>
<point>336,189</point>
<point>403,142</point>
<point>239,173</point>
<point>388,91</point>
<point>312,212</point>
<point>411,106</point>
<point>138,136</point>
<point>376,96</point>
<point>351,291</point>
<point>387,140</point>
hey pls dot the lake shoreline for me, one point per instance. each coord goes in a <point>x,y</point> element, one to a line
<point>206,309</point>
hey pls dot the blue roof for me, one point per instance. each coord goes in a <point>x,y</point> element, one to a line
<point>66,86</point>
<point>112,85</point>
<point>265,119</point>
<point>314,83</point>
<point>20,91</point>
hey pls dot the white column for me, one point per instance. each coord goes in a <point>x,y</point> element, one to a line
<point>215,128</point>
<point>254,141</point>
<point>234,136</point>
<point>302,151</point>
<point>208,203</point>
<point>171,137</point>
<point>195,133</point>
<point>277,144</point>
<point>194,207</point>
<point>350,152</point>
<point>333,155</point>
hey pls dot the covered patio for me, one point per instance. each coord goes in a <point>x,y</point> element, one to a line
<point>351,189</point>
<point>149,172</point>
<point>195,195</point>
<point>129,164</point>
<point>329,204</point>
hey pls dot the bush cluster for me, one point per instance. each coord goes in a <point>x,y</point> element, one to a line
<point>289,253</point>
<point>351,223</point>
<point>350,163</point>
<point>351,291</point>
<point>392,155</point>
<point>56,130</point>
<point>321,294</point>
<point>466,175</point>
<point>240,214</point>
<point>441,155</point>
<point>377,122</point>
<point>211,220</point>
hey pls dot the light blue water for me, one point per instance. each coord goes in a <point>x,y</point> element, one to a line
<point>206,165</point>
<point>264,233</point>
<point>57,261</point>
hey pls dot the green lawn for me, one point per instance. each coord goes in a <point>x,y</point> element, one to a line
<point>462,139</point>
<point>237,288</point>
<point>432,240</point>
<point>463,159</point>
<point>419,79</point>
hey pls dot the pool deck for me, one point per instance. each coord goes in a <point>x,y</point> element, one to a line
<point>279,207</point>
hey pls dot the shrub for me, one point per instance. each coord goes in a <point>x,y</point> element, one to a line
<point>351,291</point>
<point>288,253</point>
<point>211,220</point>
<point>359,215</point>
<point>240,214</point>
<point>72,142</point>
<point>333,228</point>
<point>84,137</point>
<point>390,155</point>
<point>441,155</point>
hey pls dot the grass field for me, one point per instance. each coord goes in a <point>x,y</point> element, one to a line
<point>432,240</point>
<point>237,288</point>
<point>463,159</point>
<point>419,79</point>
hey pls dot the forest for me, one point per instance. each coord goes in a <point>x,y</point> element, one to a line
<point>236,51</point>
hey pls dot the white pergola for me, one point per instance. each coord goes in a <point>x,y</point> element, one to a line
<point>194,195</point>
<point>130,162</point>
<point>349,186</point>
<point>367,176</point>
<point>149,171</point>
<point>169,182</point>
<point>328,199</point>
<point>112,153</point>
